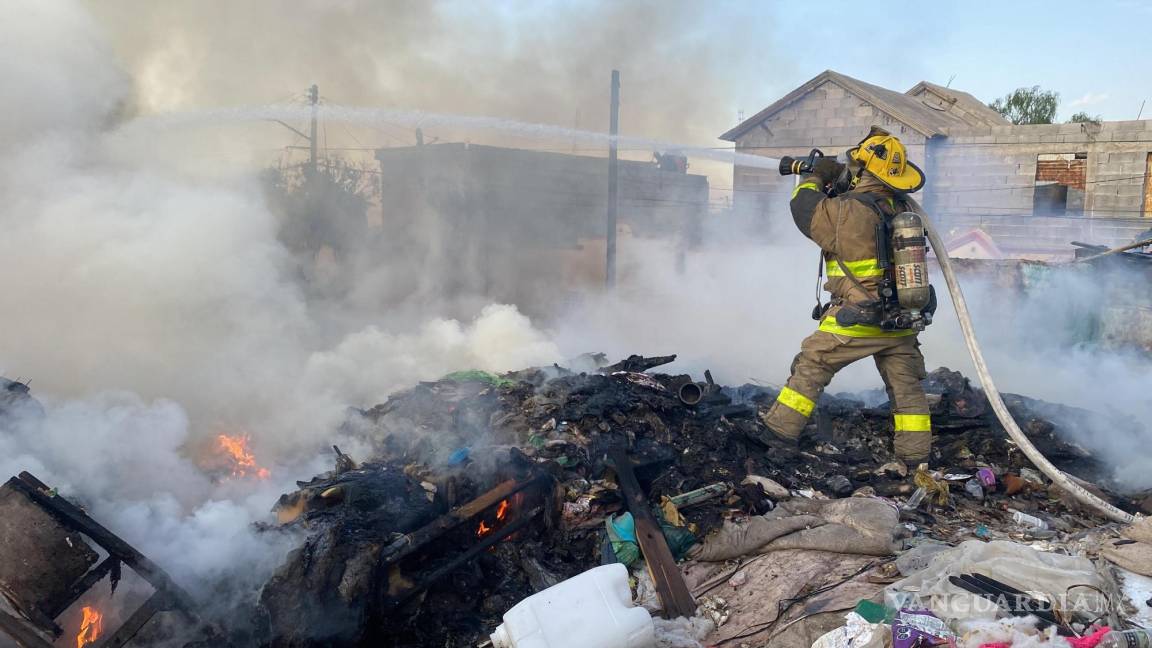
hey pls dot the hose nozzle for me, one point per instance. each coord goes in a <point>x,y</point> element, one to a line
<point>795,166</point>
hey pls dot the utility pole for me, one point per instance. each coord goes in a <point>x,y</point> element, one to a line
<point>613,183</point>
<point>314,99</point>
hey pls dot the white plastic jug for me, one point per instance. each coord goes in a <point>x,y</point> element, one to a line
<point>591,610</point>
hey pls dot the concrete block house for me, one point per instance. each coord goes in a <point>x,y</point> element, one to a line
<point>1032,189</point>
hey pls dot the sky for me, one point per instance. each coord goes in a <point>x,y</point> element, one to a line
<point>689,68</point>
<point>1093,54</point>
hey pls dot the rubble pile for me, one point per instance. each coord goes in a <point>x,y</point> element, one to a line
<point>699,452</point>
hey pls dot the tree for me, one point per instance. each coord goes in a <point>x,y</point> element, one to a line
<point>1083,117</point>
<point>324,216</point>
<point>325,208</point>
<point>1028,106</point>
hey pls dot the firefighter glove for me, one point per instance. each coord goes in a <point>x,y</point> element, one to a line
<point>827,169</point>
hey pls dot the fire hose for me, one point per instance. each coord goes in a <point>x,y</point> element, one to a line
<point>993,394</point>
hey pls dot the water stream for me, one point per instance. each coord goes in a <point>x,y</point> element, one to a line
<point>427,120</point>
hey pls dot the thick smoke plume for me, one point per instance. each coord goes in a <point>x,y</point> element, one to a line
<point>538,63</point>
<point>152,308</point>
<point>151,303</point>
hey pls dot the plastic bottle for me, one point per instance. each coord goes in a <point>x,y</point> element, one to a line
<point>1127,639</point>
<point>915,499</point>
<point>591,609</point>
<point>974,489</point>
<point>1030,521</point>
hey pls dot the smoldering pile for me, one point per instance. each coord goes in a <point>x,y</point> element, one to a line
<point>482,489</point>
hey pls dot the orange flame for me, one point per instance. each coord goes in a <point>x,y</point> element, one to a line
<point>243,461</point>
<point>501,513</point>
<point>90,627</point>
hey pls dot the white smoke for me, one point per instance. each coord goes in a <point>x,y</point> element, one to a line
<point>741,309</point>
<point>1051,342</point>
<point>152,308</point>
<point>149,301</point>
<point>58,85</point>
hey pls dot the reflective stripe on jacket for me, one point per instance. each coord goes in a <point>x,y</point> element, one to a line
<point>845,229</point>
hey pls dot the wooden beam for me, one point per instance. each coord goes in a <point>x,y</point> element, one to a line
<point>75,518</point>
<point>89,581</point>
<point>20,633</point>
<point>413,541</point>
<point>394,599</point>
<point>675,598</point>
<point>158,602</point>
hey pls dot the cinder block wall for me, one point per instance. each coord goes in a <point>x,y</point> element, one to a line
<point>828,118</point>
<point>977,177</point>
<point>985,177</point>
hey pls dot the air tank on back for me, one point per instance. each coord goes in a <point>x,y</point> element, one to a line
<point>910,262</point>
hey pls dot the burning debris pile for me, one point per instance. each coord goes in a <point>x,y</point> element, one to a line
<point>483,489</point>
<point>476,491</point>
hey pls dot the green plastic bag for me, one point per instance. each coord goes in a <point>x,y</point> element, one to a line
<point>621,531</point>
<point>477,375</point>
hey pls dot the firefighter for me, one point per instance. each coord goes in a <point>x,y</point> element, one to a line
<point>839,208</point>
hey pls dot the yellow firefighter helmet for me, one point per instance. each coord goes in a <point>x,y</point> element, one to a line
<point>884,156</point>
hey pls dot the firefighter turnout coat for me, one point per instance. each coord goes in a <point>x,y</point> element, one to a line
<point>845,229</point>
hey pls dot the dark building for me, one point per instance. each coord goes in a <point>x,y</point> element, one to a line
<point>503,223</point>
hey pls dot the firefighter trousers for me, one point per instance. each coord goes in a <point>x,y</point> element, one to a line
<point>901,366</point>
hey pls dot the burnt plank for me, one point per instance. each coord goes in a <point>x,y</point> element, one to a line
<point>670,586</point>
<point>158,602</point>
<point>395,598</point>
<point>88,582</point>
<point>637,363</point>
<point>20,633</point>
<point>413,541</point>
<point>74,517</point>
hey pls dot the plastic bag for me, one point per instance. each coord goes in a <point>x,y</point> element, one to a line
<point>913,628</point>
<point>856,633</point>
<point>1017,565</point>
<point>936,489</point>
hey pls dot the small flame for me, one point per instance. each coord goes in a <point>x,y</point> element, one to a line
<point>242,459</point>
<point>501,513</point>
<point>90,627</point>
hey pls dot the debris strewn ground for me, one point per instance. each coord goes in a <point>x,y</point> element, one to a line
<point>707,468</point>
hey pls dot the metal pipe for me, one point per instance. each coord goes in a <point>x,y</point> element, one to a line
<point>691,393</point>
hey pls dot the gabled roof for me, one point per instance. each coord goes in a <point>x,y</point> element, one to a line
<point>982,239</point>
<point>909,110</point>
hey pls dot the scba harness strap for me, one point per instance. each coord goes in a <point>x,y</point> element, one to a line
<point>873,314</point>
